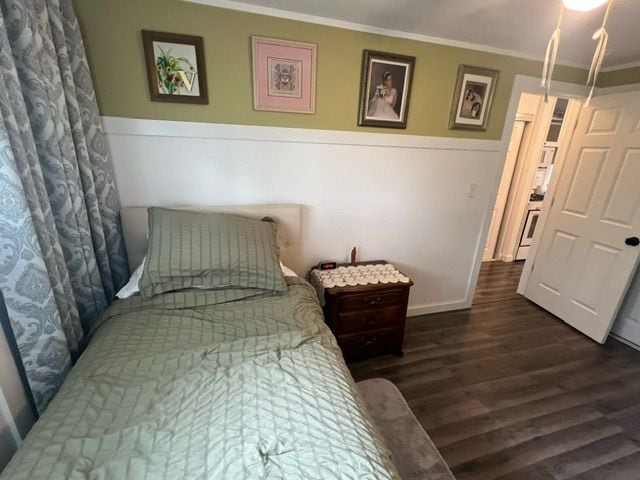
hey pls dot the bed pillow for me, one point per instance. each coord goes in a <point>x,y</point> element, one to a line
<point>210,250</point>
<point>132,287</point>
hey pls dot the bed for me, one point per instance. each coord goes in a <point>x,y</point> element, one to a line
<point>208,383</point>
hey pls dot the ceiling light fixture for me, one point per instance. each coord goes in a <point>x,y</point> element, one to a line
<point>583,5</point>
<point>600,35</point>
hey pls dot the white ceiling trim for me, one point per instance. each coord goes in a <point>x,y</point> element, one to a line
<point>629,87</point>
<point>332,22</point>
<point>621,67</point>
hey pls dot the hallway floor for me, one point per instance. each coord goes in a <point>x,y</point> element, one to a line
<point>506,390</point>
<point>498,282</point>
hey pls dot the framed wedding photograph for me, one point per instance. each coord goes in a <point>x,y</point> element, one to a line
<point>385,89</point>
<point>175,67</point>
<point>473,96</point>
<point>284,75</point>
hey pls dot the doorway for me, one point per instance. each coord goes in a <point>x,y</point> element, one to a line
<point>539,138</point>
<point>586,246</point>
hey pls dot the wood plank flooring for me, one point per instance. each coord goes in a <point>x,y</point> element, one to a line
<point>508,391</point>
<point>498,281</point>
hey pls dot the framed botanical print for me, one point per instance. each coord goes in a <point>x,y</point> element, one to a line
<point>284,75</point>
<point>385,89</point>
<point>473,97</point>
<point>175,67</point>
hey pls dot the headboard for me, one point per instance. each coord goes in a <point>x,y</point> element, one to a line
<point>288,217</point>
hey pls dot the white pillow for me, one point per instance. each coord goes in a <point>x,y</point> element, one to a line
<point>131,288</point>
<point>286,271</point>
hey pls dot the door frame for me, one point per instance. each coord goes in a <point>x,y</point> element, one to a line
<point>508,172</point>
<point>517,206</point>
<point>521,84</point>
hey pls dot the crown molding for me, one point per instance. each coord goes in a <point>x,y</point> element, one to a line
<point>359,27</point>
<point>622,66</point>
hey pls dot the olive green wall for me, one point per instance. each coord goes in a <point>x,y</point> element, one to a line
<point>111,32</point>
<point>619,77</point>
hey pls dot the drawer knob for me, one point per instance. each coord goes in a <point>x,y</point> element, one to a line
<point>373,301</point>
<point>370,322</point>
<point>368,343</point>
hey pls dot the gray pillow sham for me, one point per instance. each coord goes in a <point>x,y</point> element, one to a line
<point>211,250</point>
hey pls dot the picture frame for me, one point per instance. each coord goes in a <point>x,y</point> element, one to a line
<point>175,67</point>
<point>284,75</point>
<point>385,89</point>
<point>473,97</point>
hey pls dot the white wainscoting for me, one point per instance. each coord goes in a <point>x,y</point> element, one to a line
<point>627,324</point>
<point>420,202</point>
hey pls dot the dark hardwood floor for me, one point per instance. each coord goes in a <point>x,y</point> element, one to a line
<point>498,281</point>
<point>507,390</point>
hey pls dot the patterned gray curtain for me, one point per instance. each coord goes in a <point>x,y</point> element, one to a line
<point>62,255</point>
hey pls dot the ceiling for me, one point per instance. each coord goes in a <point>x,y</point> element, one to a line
<point>518,26</point>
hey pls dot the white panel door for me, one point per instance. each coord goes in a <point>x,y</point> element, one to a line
<point>586,255</point>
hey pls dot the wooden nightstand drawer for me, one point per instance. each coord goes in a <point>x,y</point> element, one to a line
<point>368,320</point>
<point>362,301</point>
<point>356,347</point>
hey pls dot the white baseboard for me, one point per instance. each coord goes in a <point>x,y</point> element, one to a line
<point>415,310</point>
<point>625,341</point>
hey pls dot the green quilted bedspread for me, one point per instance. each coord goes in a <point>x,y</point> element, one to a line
<point>208,385</point>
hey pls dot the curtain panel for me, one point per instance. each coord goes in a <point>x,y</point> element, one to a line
<point>62,256</point>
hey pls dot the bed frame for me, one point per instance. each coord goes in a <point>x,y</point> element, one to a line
<point>288,217</point>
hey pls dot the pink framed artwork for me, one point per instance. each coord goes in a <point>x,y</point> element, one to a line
<point>284,75</point>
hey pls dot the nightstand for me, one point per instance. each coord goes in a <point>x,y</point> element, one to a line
<point>367,319</point>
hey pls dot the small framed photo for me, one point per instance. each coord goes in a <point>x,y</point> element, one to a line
<point>175,67</point>
<point>385,89</point>
<point>284,75</point>
<point>472,97</point>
